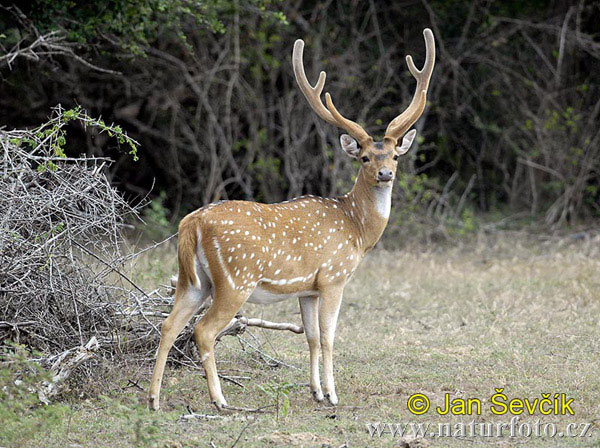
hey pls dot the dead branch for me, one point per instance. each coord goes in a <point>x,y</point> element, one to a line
<point>238,326</point>
<point>63,365</point>
<point>36,46</point>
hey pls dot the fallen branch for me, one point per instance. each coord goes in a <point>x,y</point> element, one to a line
<point>238,326</point>
<point>63,365</point>
<point>254,322</point>
<point>193,416</point>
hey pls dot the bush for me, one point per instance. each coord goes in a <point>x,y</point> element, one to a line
<point>63,281</point>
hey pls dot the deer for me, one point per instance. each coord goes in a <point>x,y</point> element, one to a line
<point>307,248</point>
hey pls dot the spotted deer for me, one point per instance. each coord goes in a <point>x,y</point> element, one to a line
<point>308,247</point>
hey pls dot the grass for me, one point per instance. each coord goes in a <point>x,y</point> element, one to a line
<point>459,321</point>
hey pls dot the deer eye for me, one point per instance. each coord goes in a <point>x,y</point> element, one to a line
<point>365,159</point>
<point>395,156</point>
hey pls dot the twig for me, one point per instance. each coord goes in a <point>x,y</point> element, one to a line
<point>4,324</point>
<point>263,354</point>
<point>112,268</point>
<point>240,435</point>
<point>146,249</point>
<point>193,416</point>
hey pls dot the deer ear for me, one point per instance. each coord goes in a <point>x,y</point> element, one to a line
<point>406,142</point>
<point>349,145</point>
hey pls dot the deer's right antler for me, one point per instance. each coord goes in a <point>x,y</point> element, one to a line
<point>313,94</point>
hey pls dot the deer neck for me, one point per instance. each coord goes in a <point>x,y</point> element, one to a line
<point>368,208</point>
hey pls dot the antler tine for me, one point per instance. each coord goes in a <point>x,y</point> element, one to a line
<point>399,125</point>
<point>313,95</point>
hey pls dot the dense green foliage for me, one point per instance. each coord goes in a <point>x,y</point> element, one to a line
<point>207,89</point>
<point>132,25</point>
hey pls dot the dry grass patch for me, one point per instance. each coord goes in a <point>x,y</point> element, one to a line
<point>463,321</point>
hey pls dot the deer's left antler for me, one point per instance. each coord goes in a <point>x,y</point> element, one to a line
<point>402,123</point>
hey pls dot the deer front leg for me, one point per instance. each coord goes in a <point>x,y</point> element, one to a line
<point>310,319</point>
<point>329,308</point>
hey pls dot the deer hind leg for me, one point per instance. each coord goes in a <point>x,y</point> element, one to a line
<point>329,308</point>
<point>310,319</point>
<point>226,303</point>
<point>187,302</point>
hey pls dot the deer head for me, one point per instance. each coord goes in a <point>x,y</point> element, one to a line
<point>379,160</point>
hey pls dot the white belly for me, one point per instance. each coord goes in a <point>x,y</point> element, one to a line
<point>262,296</point>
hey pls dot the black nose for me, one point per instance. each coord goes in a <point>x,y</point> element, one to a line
<point>385,174</point>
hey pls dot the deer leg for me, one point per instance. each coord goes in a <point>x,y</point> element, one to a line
<point>187,302</point>
<point>223,309</point>
<point>310,319</point>
<point>328,313</point>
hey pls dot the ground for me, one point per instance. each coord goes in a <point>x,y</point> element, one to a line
<point>464,321</point>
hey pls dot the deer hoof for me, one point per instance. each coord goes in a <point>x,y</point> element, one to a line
<point>332,398</point>
<point>153,403</point>
<point>317,396</point>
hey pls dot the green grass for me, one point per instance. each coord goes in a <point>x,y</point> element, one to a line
<point>461,321</point>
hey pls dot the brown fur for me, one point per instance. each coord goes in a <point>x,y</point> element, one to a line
<point>308,247</point>
<point>186,252</point>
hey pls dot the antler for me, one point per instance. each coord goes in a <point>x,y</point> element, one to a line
<point>399,125</point>
<point>313,95</point>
